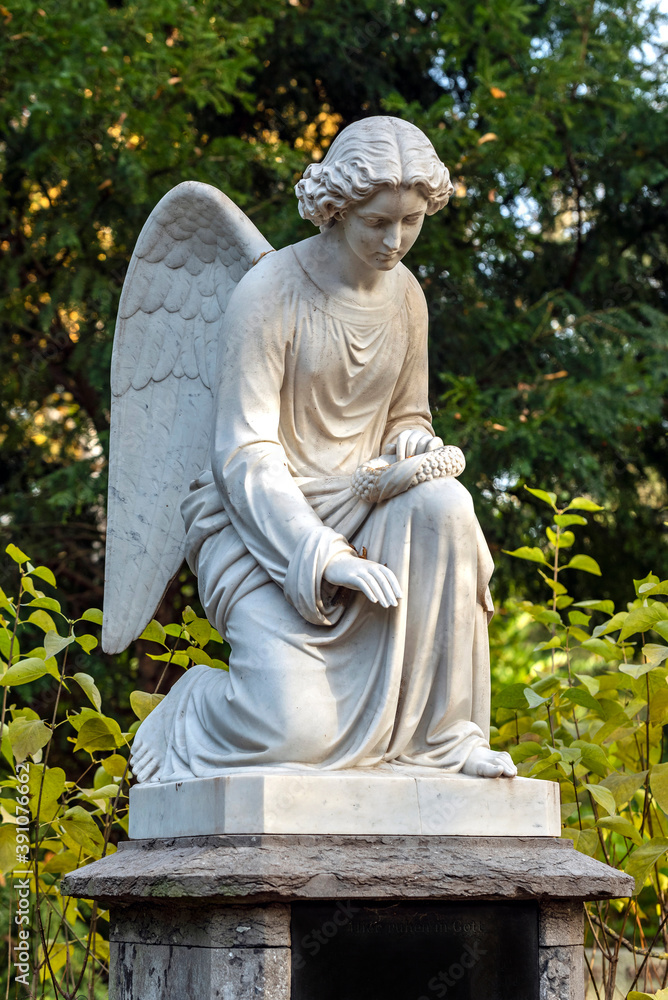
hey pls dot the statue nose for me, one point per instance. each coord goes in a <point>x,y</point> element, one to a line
<point>392,240</point>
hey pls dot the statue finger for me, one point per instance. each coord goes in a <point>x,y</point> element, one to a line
<point>414,442</point>
<point>394,583</point>
<point>400,445</point>
<point>385,585</point>
<point>434,443</point>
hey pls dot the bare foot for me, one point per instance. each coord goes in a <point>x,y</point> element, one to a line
<point>485,763</point>
<point>144,764</point>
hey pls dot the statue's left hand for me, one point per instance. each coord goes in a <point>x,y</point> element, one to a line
<point>415,442</point>
<point>376,581</point>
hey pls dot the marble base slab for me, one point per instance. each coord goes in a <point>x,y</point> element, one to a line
<point>346,802</point>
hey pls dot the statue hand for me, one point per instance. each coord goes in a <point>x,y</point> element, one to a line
<point>374,580</point>
<point>415,442</point>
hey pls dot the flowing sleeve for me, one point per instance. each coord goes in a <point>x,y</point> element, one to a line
<point>409,407</point>
<point>266,507</point>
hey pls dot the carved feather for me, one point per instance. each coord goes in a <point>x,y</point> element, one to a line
<point>194,248</point>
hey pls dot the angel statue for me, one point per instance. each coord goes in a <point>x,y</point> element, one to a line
<point>270,424</point>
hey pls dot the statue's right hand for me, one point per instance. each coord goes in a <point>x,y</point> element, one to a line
<point>374,580</point>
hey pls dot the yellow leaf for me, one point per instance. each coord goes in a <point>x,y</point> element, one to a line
<point>497,92</point>
<point>487,137</point>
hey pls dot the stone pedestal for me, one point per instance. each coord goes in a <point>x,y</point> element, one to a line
<point>240,917</point>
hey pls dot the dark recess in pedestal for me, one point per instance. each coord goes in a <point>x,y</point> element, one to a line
<point>404,951</point>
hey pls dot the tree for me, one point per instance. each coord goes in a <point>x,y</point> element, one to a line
<point>545,275</point>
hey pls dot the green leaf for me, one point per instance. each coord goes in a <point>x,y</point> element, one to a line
<point>44,573</point>
<point>635,670</point>
<point>180,659</point>
<point>54,643</point>
<point>175,630</point>
<point>565,539</point>
<point>53,787</point>
<point>7,848</point>
<point>50,603</point>
<point>548,617</point>
<point>512,697</point>
<point>584,841</point>
<point>582,503</point>
<point>87,642</point>
<point>548,498</point>
<point>143,703</point>
<point>115,765</point>
<point>643,859</point>
<point>644,619</point>
<point>92,615</point>
<point>522,751</point>
<point>622,825</point>
<point>26,737</point>
<point>29,587</point>
<point>154,632</point>
<point>578,618</point>
<point>554,643</point>
<point>607,607</point>
<point>593,757</point>
<point>658,782</point>
<point>603,796</point>
<point>607,650</point>
<point>15,553</point>
<point>614,624</point>
<point>79,826</point>
<point>532,554</point>
<point>198,655</point>
<point>62,863</point>
<point>624,785</point>
<point>651,578</point>
<point>77,720</point>
<point>554,585</point>
<point>200,630</point>
<point>650,589</point>
<point>99,733</point>
<point>533,698</point>
<point>585,563</point>
<point>109,791</point>
<point>26,671</point>
<point>581,696</point>
<point>86,682</point>
<point>43,620</point>
<point>566,520</point>
<point>655,654</point>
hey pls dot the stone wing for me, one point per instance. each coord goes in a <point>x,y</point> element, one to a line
<point>193,250</point>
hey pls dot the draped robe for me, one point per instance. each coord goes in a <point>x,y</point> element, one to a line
<point>309,387</point>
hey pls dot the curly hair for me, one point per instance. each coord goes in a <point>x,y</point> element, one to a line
<point>372,153</point>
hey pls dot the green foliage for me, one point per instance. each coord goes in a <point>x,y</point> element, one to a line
<point>53,820</point>
<point>545,275</point>
<point>591,713</point>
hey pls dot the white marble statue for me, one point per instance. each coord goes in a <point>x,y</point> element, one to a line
<point>270,423</point>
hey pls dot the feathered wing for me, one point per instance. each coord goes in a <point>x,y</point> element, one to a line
<point>193,250</point>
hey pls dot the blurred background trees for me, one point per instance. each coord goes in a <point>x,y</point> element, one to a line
<point>546,274</point>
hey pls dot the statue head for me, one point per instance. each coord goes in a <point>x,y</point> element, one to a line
<point>371,154</point>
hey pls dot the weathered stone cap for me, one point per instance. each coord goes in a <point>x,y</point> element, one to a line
<point>273,868</point>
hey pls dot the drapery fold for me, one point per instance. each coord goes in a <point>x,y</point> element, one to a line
<point>309,388</point>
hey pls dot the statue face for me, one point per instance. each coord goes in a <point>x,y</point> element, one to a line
<point>383,228</point>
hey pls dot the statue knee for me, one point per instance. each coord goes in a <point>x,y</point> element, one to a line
<point>444,501</point>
